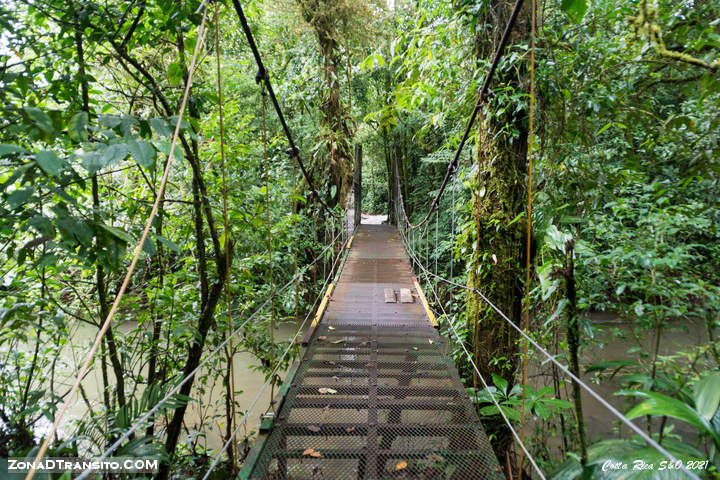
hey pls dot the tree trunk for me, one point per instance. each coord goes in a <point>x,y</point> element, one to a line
<point>497,268</point>
<point>335,119</point>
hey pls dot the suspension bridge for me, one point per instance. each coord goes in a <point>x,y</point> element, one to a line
<point>375,393</point>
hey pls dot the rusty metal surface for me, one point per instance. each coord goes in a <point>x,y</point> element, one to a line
<point>376,396</point>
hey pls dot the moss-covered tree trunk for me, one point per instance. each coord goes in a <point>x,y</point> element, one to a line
<point>335,117</point>
<point>498,244</point>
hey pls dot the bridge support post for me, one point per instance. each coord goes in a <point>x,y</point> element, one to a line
<point>357,184</point>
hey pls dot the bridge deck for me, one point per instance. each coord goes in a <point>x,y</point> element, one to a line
<point>375,396</point>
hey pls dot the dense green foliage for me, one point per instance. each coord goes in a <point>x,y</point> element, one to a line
<point>625,185</point>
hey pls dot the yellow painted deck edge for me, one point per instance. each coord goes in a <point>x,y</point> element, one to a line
<point>323,304</point>
<point>423,300</point>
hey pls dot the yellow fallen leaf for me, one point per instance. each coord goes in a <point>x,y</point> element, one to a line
<point>402,464</point>
<point>331,328</point>
<point>311,452</point>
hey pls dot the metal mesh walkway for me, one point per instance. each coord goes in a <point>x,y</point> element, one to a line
<point>375,396</point>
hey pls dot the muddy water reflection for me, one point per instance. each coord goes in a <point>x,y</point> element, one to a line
<point>210,405</point>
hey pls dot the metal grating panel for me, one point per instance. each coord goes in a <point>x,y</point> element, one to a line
<point>376,396</point>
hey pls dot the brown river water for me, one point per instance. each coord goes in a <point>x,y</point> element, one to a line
<point>248,380</point>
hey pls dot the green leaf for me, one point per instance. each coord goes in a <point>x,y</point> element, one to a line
<point>110,121</point>
<point>164,147</point>
<point>175,74</point>
<point>19,197</point>
<point>492,410</point>
<point>116,232</point>
<point>557,402</point>
<point>49,162</point>
<point>160,127</point>
<point>92,161</point>
<point>149,246</point>
<point>541,409</point>
<point>43,225</point>
<point>113,154</point>
<point>41,119</point>
<point>6,148</point>
<point>707,395</point>
<point>575,8</point>
<point>142,152</point>
<point>168,243</point>
<point>500,383</point>
<point>659,404</point>
<point>299,198</point>
<point>77,127</point>
<point>74,229</point>
<point>615,364</point>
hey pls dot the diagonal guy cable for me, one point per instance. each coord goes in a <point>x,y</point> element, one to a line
<point>131,269</point>
<point>472,362</point>
<point>146,416</point>
<point>452,166</point>
<point>225,446</point>
<point>565,370</point>
<point>263,76</point>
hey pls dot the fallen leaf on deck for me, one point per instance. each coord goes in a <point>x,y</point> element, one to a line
<point>322,337</point>
<point>313,428</point>
<point>338,341</point>
<point>349,429</point>
<point>415,348</point>
<point>401,465</point>
<point>325,390</point>
<point>431,341</point>
<point>311,452</point>
<point>331,328</point>
<point>336,378</point>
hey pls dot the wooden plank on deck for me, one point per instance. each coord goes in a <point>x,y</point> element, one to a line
<point>406,296</point>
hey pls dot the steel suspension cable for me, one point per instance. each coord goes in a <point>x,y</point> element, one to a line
<point>136,256</point>
<point>295,243</point>
<point>564,369</point>
<point>531,138</point>
<point>482,94</point>
<point>145,417</point>
<point>550,357</point>
<point>262,75</point>
<point>477,372</point>
<point>452,234</point>
<point>217,457</point>
<point>269,235</point>
<point>226,226</point>
<point>572,376</point>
